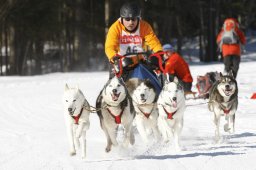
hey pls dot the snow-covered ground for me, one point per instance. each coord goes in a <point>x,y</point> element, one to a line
<point>33,136</point>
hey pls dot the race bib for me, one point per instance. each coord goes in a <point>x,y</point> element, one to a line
<point>130,42</point>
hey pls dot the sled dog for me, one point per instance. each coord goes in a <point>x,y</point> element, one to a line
<point>144,99</point>
<point>171,106</point>
<point>76,113</point>
<point>223,101</point>
<point>116,110</point>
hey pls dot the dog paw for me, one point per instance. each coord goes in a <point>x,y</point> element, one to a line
<point>166,140</point>
<point>107,149</point>
<point>72,153</point>
<point>226,128</point>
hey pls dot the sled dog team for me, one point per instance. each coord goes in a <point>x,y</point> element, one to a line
<point>120,106</point>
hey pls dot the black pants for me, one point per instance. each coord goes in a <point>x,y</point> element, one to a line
<point>186,85</point>
<point>232,63</point>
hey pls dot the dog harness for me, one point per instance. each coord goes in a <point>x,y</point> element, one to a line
<point>118,117</point>
<point>226,109</point>
<point>76,118</point>
<point>169,114</point>
<point>146,114</point>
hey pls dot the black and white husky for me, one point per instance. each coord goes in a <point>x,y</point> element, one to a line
<point>171,107</point>
<point>223,101</point>
<point>114,110</point>
<point>144,99</point>
<point>76,113</point>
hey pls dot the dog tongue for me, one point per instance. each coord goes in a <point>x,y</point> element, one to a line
<point>114,97</point>
<point>174,104</point>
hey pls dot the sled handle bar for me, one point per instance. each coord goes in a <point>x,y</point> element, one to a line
<point>157,54</point>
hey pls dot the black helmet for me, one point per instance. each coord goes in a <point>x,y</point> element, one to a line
<point>130,10</point>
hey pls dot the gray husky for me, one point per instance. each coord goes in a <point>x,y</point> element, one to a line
<point>223,101</point>
<point>171,106</point>
<point>114,110</point>
<point>144,99</point>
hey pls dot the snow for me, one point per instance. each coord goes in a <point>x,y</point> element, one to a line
<point>33,134</point>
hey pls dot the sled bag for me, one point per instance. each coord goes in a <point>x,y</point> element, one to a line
<point>141,72</point>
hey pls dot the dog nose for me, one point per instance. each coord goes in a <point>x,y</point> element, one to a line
<point>174,98</point>
<point>70,109</point>
<point>142,95</point>
<point>227,86</point>
<point>114,91</point>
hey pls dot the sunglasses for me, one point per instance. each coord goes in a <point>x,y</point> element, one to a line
<point>129,19</point>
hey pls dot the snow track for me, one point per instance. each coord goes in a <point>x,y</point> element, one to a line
<point>33,134</point>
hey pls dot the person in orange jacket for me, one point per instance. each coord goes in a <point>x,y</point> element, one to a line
<point>129,34</point>
<point>175,65</point>
<point>172,65</point>
<point>229,40</point>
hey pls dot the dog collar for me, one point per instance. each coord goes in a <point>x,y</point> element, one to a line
<point>76,118</point>
<point>169,114</point>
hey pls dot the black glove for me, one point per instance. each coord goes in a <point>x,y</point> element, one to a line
<point>126,62</point>
<point>171,77</point>
<point>114,59</point>
<point>115,63</point>
<point>153,62</point>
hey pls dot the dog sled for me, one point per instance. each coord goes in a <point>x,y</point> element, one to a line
<point>204,84</point>
<point>140,70</point>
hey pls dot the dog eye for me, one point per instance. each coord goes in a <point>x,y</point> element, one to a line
<point>118,85</point>
<point>66,100</point>
<point>74,100</point>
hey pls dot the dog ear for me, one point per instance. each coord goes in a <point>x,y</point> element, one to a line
<point>231,74</point>
<point>66,87</point>
<point>166,81</point>
<point>176,80</point>
<point>221,74</point>
<point>77,87</point>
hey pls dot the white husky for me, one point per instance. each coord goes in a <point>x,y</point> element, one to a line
<point>171,106</point>
<point>223,101</point>
<point>116,111</point>
<point>144,101</point>
<point>76,112</point>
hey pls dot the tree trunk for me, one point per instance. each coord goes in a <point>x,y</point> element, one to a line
<point>106,16</point>
<point>39,46</point>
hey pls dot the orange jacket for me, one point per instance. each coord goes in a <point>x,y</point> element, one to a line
<point>176,65</point>
<point>232,49</point>
<point>114,37</point>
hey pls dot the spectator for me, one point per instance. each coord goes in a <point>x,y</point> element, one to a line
<point>229,40</point>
